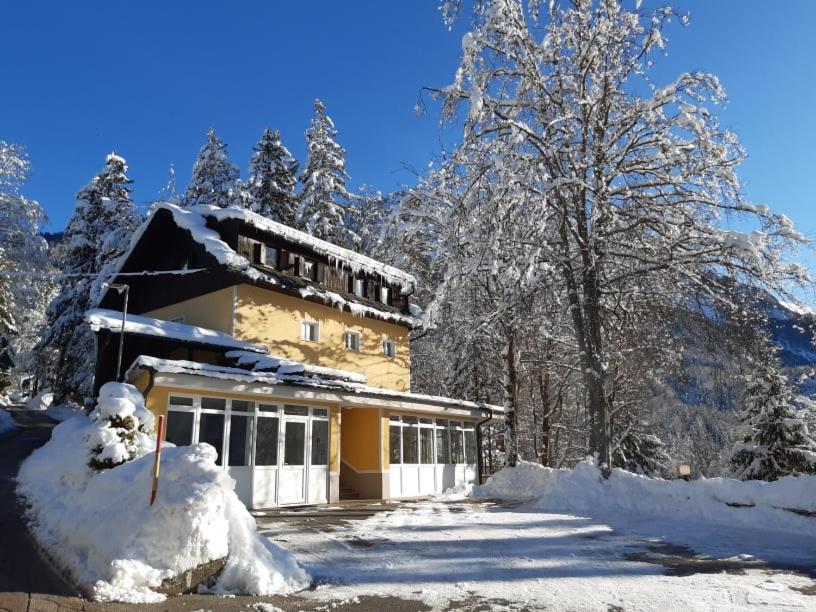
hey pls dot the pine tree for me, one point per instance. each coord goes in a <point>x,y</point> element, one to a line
<point>97,234</point>
<point>777,442</point>
<point>272,179</point>
<point>215,180</point>
<point>640,452</point>
<point>324,198</point>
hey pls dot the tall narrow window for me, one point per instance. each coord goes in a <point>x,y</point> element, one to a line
<point>395,453</point>
<point>410,440</point>
<point>271,257</point>
<point>359,287</point>
<point>389,348</point>
<point>385,294</point>
<point>352,341</point>
<point>442,442</point>
<point>309,331</point>
<point>309,269</point>
<point>320,442</point>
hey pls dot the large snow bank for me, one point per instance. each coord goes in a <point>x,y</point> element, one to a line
<point>7,424</point>
<point>41,401</point>
<point>101,528</point>
<point>764,505</point>
<point>63,412</point>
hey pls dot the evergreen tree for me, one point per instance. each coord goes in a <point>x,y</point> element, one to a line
<point>324,199</point>
<point>367,218</point>
<point>215,180</point>
<point>777,442</point>
<point>97,234</point>
<point>639,451</point>
<point>272,179</point>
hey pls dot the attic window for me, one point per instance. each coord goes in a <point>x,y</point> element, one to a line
<point>271,257</point>
<point>308,269</point>
<point>359,287</point>
<point>385,294</point>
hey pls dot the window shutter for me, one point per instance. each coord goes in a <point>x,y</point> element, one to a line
<point>257,253</point>
<point>371,290</point>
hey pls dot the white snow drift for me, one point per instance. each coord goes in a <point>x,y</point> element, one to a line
<point>100,527</point>
<point>757,504</point>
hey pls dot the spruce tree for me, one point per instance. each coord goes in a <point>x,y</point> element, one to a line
<point>215,179</point>
<point>324,199</point>
<point>777,441</point>
<point>272,179</point>
<point>97,234</point>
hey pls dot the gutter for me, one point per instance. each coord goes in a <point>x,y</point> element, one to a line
<point>479,456</point>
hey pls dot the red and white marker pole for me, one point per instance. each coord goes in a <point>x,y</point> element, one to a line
<point>159,437</point>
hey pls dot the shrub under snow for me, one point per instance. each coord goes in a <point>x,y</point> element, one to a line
<point>101,528</point>
<point>583,490</point>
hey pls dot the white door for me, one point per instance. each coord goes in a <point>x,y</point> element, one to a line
<point>292,472</point>
<point>318,457</point>
<point>267,447</point>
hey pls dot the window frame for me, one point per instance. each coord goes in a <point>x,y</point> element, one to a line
<point>362,285</point>
<point>312,274</point>
<point>312,324</point>
<point>350,333</point>
<point>266,262</point>
<point>389,342</point>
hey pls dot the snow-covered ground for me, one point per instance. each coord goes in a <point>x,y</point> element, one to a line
<point>523,554</point>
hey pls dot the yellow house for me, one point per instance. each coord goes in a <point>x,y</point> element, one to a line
<point>289,354</point>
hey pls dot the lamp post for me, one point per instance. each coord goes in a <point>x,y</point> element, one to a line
<point>120,288</point>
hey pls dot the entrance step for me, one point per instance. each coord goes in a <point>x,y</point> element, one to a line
<point>346,492</point>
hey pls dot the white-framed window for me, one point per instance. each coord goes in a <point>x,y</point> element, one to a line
<point>385,294</point>
<point>359,287</point>
<point>421,440</point>
<point>270,257</point>
<point>389,348</point>
<point>309,331</point>
<point>352,340</point>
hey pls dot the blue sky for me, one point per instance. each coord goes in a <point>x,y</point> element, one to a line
<point>150,78</point>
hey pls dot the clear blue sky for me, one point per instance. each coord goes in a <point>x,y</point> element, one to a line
<point>149,78</point>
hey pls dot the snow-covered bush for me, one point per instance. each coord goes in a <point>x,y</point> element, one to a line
<point>101,528</point>
<point>41,401</point>
<point>122,427</point>
<point>584,490</point>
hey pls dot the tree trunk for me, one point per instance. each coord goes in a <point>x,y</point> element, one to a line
<point>511,400</point>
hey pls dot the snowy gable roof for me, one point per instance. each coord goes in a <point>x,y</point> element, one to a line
<point>111,320</point>
<point>336,254</point>
<point>281,365</point>
<point>179,366</point>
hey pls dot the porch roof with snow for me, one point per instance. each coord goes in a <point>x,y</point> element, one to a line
<point>197,248</point>
<point>286,381</point>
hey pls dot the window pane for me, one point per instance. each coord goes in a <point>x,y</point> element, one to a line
<point>211,431</point>
<point>181,401</point>
<point>442,445</point>
<point>267,408</point>
<point>240,439</point>
<point>320,442</point>
<point>457,451</point>
<point>323,412</point>
<point>297,410</point>
<point>266,442</point>
<point>394,418</point>
<point>271,257</point>
<point>359,287</point>
<point>426,436</point>
<point>213,403</point>
<point>179,428</point>
<point>241,406</point>
<point>394,443</point>
<point>294,444</point>
<point>470,446</point>
<point>410,439</point>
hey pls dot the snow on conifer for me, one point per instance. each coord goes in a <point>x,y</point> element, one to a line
<point>324,199</point>
<point>777,441</point>
<point>121,427</point>
<point>97,234</point>
<point>272,179</point>
<point>215,179</point>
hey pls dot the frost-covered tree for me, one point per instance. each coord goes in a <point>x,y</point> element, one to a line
<point>97,234</point>
<point>616,184</point>
<point>215,180</point>
<point>324,199</point>
<point>272,179</point>
<point>777,441</point>
<point>26,255</point>
<point>121,427</point>
<point>366,219</point>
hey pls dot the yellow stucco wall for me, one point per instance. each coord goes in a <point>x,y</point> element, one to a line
<point>274,319</point>
<point>158,398</point>
<point>211,310</point>
<point>359,439</point>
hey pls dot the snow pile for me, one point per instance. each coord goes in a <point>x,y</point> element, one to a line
<point>764,505</point>
<point>63,412</point>
<point>7,424</point>
<point>41,401</point>
<point>100,527</point>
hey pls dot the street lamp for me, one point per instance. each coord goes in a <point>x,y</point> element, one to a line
<point>120,288</point>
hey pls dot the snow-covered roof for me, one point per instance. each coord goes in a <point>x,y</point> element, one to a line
<point>336,254</point>
<point>179,366</point>
<point>101,318</point>
<point>281,365</point>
